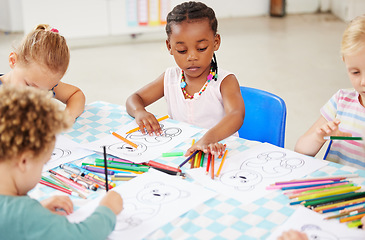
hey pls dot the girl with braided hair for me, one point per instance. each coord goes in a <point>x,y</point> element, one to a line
<point>195,91</point>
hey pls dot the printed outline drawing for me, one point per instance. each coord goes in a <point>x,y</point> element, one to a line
<point>315,232</point>
<point>253,170</point>
<point>59,153</point>
<point>147,203</point>
<point>144,141</point>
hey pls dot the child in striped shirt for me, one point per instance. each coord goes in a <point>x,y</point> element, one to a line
<point>344,113</point>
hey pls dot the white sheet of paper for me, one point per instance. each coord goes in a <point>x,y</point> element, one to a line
<point>246,175</point>
<point>149,147</point>
<point>65,151</point>
<point>316,227</point>
<point>151,200</point>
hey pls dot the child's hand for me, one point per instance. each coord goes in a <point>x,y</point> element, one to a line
<point>331,129</point>
<point>56,203</point>
<point>114,201</point>
<point>293,235</point>
<point>213,148</point>
<point>147,120</point>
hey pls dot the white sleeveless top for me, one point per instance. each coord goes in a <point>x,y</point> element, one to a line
<point>204,111</point>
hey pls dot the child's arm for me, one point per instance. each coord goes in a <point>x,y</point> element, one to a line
<point>72,96</point>
<point>235,112</point>
<point>136,105</point>
<point>312,141</point>
<point>293,235</point>
<point>56,203</point>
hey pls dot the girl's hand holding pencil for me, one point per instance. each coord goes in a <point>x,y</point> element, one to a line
<point>207,147</point>
<point>331,128</point>
<point>147,123</point>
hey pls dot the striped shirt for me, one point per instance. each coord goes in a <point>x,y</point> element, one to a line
<point>345,106</point>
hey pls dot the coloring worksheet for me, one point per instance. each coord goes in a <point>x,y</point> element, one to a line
<point>151,200</point>
<point>246,175</point>
<point>65,151</point>
<point>316,228</point>
<point>148,147</point>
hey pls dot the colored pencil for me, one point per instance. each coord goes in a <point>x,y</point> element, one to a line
<point>339,208</point>
<point>352,218</point>
<point>330,193</point>
<point>208,162</point>
<point>67,185</point>
<point>119,166</point>
<point>124,140</point>
<point>354,224</point>
<point>197,160</point>
<point>99,170</point>
<point>321,190</point>
<point>137,128</point>
<point>345,214</point>
<point>173,154</point>
<point>333,178</point>
<point>116,170</point>
<point>340,204</point>
<point>212,166</point>
<point>222,162</point>
<point>105,169</point>
<point>308,185</point>
<point>334,199</point>
<point>289,192</point>
<point>190,157</point>
<point>62,189</point>
<point>170,172</point>
<point>160,165</point>
<point>341,138</point>
<point>202,160</point>
<point>297,185</point>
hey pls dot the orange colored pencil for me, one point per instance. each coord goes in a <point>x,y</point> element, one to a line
<point>212,166</point>
<point>348,219</point>
<point>137,128</point>
<point>222,162</point>
<point>125,140</point>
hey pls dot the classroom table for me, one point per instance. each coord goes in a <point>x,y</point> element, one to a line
<point>218,218</point>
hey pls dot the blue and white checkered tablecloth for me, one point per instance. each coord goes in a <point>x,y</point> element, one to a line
<point>218,218</point>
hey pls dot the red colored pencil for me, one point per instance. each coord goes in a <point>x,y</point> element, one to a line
<point>212,166</point>
<point>208,163</point>
<point>56,187</point>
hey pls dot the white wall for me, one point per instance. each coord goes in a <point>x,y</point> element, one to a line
<point>11,16</point>
<point>88,18</point>
<point>347,9</point>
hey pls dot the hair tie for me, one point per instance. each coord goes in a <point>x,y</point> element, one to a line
<point>54,30</point>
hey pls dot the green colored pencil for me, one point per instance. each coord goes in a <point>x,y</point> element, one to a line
<point>119,166</point>
<point>341,138</point>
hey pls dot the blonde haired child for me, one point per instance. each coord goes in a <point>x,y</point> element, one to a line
<point>344,113</point>
<point>29,122</point>
<point>41,60</point>
<point>195,91</point>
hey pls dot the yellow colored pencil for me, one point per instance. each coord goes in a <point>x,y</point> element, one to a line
<point>329,193</point>
<point>125,140</point>
<point>222,162</point>
<point>340,204</point>
<point>137,128</point>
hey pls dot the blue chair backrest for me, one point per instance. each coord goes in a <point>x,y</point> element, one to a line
<point>265,117</point>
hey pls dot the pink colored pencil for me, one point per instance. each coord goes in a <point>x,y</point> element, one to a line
<point>272,187</point>
<point>313,188</point>
<point>333,178</point>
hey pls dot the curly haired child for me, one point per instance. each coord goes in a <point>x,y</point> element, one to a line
<point>40,61</point>
<point>29,122</point>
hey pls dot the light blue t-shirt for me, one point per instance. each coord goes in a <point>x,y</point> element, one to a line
<point>22,217</point>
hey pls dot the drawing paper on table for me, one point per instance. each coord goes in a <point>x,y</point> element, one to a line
<point>150,201</point>
<point>65,151</point>
<point>246,175</point>
<point>149,147</point>
<point>316,228</point>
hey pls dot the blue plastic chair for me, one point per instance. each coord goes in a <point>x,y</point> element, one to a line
<point>265,117</point>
